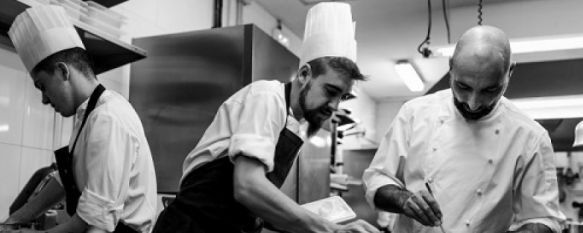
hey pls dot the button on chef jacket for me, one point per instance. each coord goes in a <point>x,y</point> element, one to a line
<point>490,175</point>
<point>247,123</point>
<point>113,166</point>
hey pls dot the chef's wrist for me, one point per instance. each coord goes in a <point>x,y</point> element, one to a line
<point>392,198</point>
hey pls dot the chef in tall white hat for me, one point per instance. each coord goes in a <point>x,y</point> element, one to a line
<point>578,135</point>
<point>231,179</point>
<point>106,173</point>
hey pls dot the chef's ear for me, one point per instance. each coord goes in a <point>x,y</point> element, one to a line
<point>511,68</point>
<point>63,70</point>
<point>305,73</point>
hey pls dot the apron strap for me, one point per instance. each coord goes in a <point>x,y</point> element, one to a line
<point>287,97</point>
<point>90,106</point>
<point>64,158</point>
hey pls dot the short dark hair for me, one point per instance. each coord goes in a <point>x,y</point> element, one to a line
<point>77,57</point>
<point>341,65</point>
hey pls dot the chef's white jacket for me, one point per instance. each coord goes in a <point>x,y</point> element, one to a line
<point>490,175</point>
<point>248,123</point>
<point>113,166</point>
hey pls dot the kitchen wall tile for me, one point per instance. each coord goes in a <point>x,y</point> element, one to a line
<point>9,174</point>
<point>11,104</point>
<point>38,119</point>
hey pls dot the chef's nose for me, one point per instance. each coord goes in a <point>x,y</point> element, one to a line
<point>333,104</point>
<point>473,103</point>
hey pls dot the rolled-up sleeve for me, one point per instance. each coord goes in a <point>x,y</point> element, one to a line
<point>537,196</point>
<point>383,168</point>
<point>261,119</point>
<point>111,151</point>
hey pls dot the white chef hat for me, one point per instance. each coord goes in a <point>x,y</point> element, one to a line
<point>578,135</point>
<point>41,31</point>
<point>329,31</point>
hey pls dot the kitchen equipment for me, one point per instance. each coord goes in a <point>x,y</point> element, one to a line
<point>574,227</point>
<point>187,76</point>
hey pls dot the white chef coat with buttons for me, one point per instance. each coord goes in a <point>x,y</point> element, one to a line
<point>490,175</point>
<point>113,166</point>
<point>248,123</point>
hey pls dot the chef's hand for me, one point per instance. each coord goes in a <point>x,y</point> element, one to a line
<point>422,207</point>
<point>358,226</point>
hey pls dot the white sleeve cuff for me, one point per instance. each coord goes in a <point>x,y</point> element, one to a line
<point>555,226</point>
<point>57,178</point>
<point>254,146</point>
<point>98,211</point>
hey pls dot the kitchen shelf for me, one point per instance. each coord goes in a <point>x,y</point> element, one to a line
<point>106,51</point>
<point>108,3</point>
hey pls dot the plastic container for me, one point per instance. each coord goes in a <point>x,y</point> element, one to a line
<point>334,209</point>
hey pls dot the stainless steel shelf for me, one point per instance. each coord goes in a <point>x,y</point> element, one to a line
<point>106,52</point>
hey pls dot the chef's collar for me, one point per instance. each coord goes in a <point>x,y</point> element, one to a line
<point>81,109</point>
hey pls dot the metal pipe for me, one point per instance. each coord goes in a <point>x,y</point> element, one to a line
<point>218,14</point>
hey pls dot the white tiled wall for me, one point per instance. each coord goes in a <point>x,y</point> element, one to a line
<point>31,159</point>
<point>11,105</point>
<point>9,168</point>
<point>39,119</point>
<point>26,129</point>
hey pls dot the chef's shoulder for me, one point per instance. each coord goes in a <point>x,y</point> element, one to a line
<point>518,118</point>
<point>427,105</point>
<point>114,109</point>
<point>261,90</point>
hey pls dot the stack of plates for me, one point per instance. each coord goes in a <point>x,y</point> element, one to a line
<point>101,18</point>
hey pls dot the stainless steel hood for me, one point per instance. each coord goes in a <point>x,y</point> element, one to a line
<point>179,87</point>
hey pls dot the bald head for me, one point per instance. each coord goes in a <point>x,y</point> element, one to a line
<point>485,45</point>
<point>480,70</point>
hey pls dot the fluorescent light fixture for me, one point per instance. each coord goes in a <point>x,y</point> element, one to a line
<point>319,141</point>
<point>530,45</point>
<point>409,75</point>
<point>4,128</point>
<point>551,107</point>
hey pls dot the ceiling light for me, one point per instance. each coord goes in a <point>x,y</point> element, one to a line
<point>409,75</point>
<point>4,128</point>
<point>556,107</point>
<point>530,45</point>
<point>278,35</point>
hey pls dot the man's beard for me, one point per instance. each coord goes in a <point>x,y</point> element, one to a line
<point>311,115</point>
<point>463,109</point>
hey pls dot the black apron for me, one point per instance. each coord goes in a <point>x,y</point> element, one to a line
<point>206,203</point>
<point>64,160</point>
